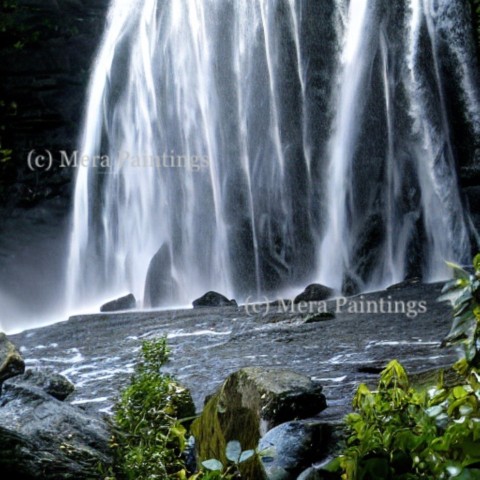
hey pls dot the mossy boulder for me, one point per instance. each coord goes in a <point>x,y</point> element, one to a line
<point>11,362</point>
<point>250,402</point>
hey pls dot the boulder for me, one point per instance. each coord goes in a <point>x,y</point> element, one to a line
<point>213,299</point>
<point>250,402</point>
<point>296,446</point>
<point>314,293</point>
<point>11,362</point>
<point>46,439</point>
<point>160,286</point>
<point>128,302</point>
<point>47,380</point>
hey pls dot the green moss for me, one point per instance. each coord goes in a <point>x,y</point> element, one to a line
<point>220,423</point>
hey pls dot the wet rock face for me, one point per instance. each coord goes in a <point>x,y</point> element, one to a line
<point>209,344</point>
<point>43,438</point>
<point>52,383</point>
<point>11,362</point>
<point>46,53</point>
<point>45,60</point>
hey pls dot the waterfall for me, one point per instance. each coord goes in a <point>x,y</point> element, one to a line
<point>266,144</point>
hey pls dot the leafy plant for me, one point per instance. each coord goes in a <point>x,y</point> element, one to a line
<point>398,432</point>
<point>235,456</point>
<point>150,439</point>
<point>464,294</point>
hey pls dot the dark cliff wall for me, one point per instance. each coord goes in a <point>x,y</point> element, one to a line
<point>46,55</point>
<point>45,61</point>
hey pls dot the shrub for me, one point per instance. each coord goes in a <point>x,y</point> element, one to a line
<point>150,440</point>
<point>398,432</point>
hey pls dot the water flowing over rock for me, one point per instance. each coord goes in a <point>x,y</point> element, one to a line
<point>273,143</point>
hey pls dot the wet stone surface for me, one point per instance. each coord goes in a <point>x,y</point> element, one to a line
<point>98,352</point>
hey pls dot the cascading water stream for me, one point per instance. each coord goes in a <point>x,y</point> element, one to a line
<point>418,162</point>
<point>265,144</point>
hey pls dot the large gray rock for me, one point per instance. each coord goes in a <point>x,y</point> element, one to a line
<point>47,380</point>
<point>45,439</point>
<point>11,362</point>
<point>160,286</point>
<point>128,302</point>
<point>296,446</point>
<point>250,402</point>
<point>314,293</point>
<point>213,299</point>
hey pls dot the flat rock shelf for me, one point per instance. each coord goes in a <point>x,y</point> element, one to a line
<point>98,352</point>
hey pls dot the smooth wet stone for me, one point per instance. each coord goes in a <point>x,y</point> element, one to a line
<point>128,302</point>
<point>160,286</point>
<point>296,446</point>
<point>213,299</point>
<point>314,293</point>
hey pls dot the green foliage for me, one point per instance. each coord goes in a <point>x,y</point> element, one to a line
<point>235,457</point>
<point>151,424</point>
<point>150,439</point>
<point>464,294</point>
<point>397,432</point>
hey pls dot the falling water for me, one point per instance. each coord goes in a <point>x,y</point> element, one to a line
<point>409,204</point>
<point>265,143</point>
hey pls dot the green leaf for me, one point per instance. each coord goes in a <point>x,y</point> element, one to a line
<point>233,451</point>
<point>333,465</point>
<point>213,465</point>
<point>376,468</point>
<point>267,452</point>
<point>459,392</point>
<point>468,474</point>
<point>434,411</point>
<point>246,455</point>
<point>460,326</point>
<point>458,271</point>
<point>476,263</point>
